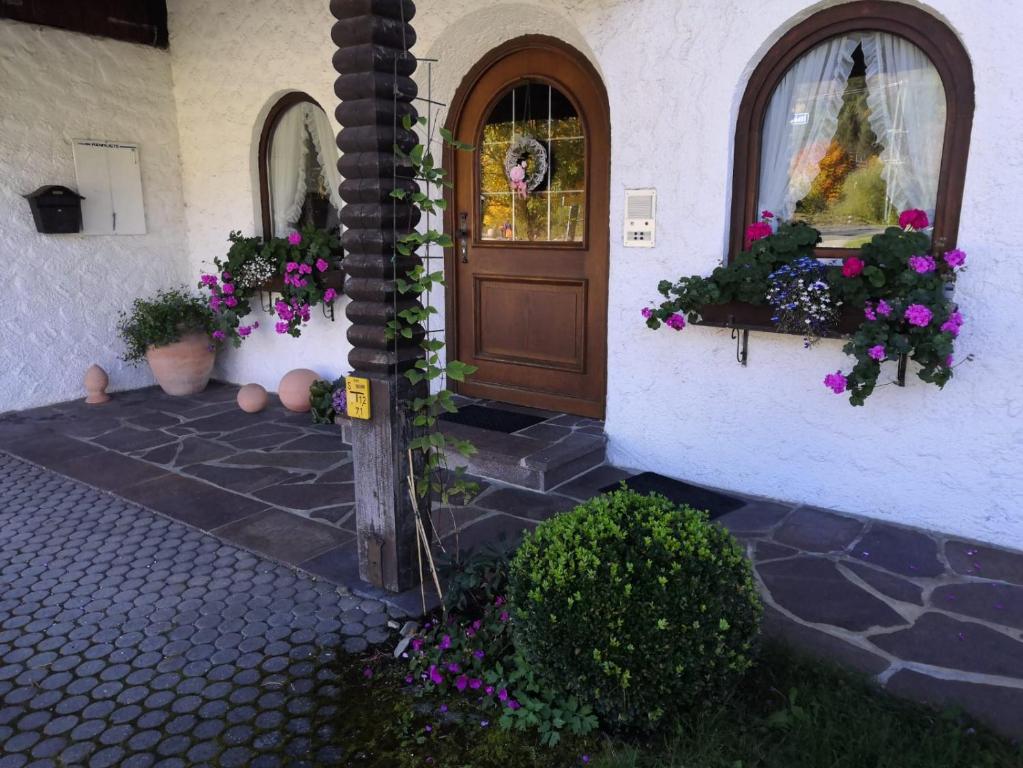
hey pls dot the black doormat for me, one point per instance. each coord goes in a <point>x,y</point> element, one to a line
<point>494,419</point>
<point>676,491</point>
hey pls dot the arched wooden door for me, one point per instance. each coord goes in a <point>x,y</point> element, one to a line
<point>529,211</point>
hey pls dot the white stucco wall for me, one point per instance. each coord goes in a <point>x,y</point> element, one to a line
<point>679,403</point>
<point>232,61</point>
<point>63,292</point>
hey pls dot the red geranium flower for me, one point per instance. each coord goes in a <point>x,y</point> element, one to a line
<point>914,218</point>
<point>852,267</point>
<point>757,231</point>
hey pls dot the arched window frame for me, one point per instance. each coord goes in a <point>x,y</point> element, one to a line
<point>273,117</point>
<point>928,33</point>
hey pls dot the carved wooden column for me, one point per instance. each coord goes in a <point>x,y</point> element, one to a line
<point>376,90</point>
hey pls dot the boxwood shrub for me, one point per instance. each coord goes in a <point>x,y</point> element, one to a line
<point>638,607</point>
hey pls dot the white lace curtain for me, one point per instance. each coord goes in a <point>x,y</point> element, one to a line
<point>907,105</point>
<point>288,162</point>
<point>907,113</point>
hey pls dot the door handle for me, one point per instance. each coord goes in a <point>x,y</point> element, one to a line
<point>463,236</point>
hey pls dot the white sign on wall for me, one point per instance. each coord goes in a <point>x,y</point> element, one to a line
<point>109,177</point>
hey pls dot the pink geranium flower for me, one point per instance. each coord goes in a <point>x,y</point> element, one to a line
<point>914,218</point>
<point>877,352</point>
<point>918,315</point>
<point>295,238</point>
<point>291,266</point>
<point>676,321</point>
<point>868,311</point>
<point>757,231</point>
<point>219,335</point>
<point>883,308</point>
<point>321,265</point>
<point>228,288</point>
<point>955,258</point>
<point>836,382</point>
<point>647,312</point>
<point>852,267</point>
<point>244,330</point>
<point>329,295</point>
<point>766,215</point>
<point>281,327</point>
<point>953,324</point>
<point>922,264</point>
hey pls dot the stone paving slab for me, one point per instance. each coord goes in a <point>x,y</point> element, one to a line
<point>129,639</point>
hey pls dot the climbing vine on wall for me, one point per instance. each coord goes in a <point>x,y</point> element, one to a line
<point>430,370</point>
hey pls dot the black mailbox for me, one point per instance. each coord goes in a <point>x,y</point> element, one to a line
<point>57,210</point>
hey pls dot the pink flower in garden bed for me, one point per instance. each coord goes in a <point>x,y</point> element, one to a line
<point>877,352</point>
<point>647,313</point>
<point>884,308</point>
<point>919,315</point>
<point>321,265</point>
<point>295,238</point>
<point>329,295</point>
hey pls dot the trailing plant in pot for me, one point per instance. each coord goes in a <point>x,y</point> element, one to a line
<point>172,332</point>
<point>897,290</point>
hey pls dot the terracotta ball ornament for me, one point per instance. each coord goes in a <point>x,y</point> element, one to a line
<point>252,398</point>
<point>294,389</point>
<point>96,382</point>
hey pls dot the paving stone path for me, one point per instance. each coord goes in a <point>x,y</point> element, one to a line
<point>128,639</point>
<point>930,617</point>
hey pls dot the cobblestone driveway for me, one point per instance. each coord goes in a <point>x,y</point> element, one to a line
<point>127,639</point>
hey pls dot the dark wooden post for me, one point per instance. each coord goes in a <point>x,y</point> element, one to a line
<point>376,90</point>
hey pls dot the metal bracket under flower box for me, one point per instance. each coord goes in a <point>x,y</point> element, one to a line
<point>742,318</point>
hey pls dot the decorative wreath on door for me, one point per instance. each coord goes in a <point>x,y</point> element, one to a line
<point>525,165</point>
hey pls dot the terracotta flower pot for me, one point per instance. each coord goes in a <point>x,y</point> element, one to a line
<point>184,367</point>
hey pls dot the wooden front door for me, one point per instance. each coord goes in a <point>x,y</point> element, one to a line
<point>529,213</point>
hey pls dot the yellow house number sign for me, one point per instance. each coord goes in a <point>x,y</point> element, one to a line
<point>357,391</point>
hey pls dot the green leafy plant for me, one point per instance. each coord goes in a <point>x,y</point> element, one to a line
<point>412,322</point>
<point>327,400</point>
<point>638,608</point>
<point>900,287</point>
<point>162,320</point>
<point>476,581</point>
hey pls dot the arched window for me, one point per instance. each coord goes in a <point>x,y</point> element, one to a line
<point>298,175</point>
<point>859,112</point>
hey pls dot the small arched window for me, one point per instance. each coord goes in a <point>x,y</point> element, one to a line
<point>859,112</point>
<point>298,175</point>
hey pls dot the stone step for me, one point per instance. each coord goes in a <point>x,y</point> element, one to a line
<point>534,458</point>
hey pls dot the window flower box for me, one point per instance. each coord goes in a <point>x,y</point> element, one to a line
<point>757,317</point>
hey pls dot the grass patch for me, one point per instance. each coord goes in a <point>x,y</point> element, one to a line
<point>789,712</point>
